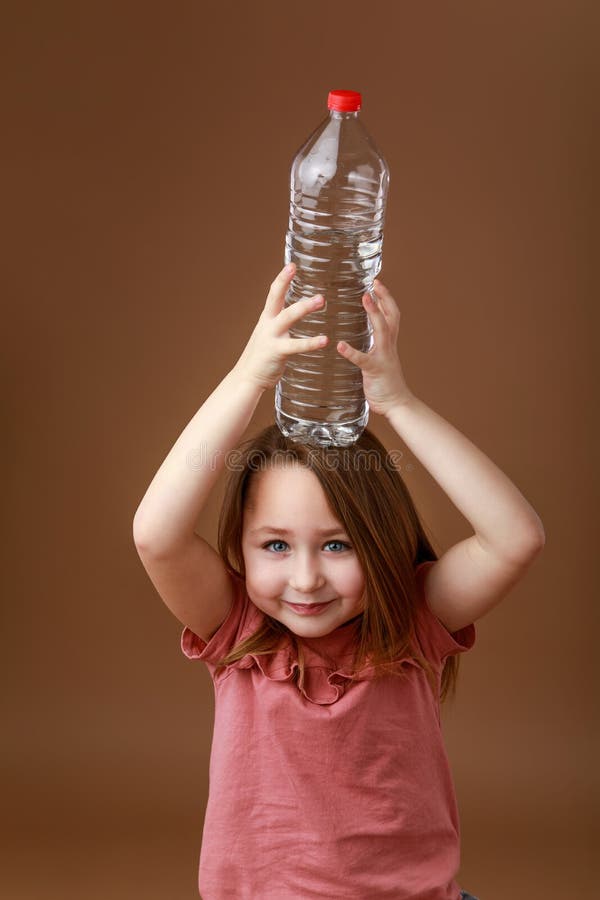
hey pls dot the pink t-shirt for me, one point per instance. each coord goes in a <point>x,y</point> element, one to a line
<point>336,791</point>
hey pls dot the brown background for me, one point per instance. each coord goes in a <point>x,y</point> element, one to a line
<point>145,163</point>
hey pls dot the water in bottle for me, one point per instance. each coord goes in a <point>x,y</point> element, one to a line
<point>338,191</point>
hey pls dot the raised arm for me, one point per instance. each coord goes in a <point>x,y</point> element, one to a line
<point>476,573</point>
<point>177,493</point>
<point>188,573</point>
<point>172,503</point>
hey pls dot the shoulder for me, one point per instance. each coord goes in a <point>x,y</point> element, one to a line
<point>242,619</point>
<point>436,639</point>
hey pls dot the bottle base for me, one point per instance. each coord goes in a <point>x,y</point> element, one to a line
<point>322,434</point>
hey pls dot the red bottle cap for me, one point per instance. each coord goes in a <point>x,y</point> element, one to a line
<point>344,101</point>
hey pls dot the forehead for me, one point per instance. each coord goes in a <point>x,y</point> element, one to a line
<point>284,494</point>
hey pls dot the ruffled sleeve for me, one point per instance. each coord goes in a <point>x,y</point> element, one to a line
<point>436,641</point>
<point>227,635</point>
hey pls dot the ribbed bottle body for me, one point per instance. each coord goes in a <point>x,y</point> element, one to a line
<point>338,192</point>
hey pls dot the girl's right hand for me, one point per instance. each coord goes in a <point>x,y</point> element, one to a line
<point>263,360</point>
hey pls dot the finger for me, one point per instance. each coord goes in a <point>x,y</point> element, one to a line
<point>374,311</point>
<point>303,345</point>
<point>300,308</point>
<point>349,353</point>
<point>277,291</point>
<point>380,287</point>
<point>386,301</point>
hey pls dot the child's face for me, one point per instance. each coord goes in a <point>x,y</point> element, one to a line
<point>303,566</point>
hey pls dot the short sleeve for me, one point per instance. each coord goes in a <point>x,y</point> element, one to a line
<point>436,641</point>
<point>227,635</point>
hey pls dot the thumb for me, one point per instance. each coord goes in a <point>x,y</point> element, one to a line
<point>277,291</point>
<point>352,355</point>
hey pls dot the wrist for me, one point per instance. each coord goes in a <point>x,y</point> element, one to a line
<point>242,380</point>
<point>406,401</point>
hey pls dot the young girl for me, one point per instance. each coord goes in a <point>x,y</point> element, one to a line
<point>329,626</point>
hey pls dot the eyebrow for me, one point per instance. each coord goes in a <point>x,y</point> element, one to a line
<point>323,532</point>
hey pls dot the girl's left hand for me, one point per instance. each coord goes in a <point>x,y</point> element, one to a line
<point>383,380</point>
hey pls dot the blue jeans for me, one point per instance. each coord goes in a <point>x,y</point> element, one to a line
<point>466,896</point>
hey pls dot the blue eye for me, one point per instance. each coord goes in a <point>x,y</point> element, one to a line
<point>342,544</point>
<point>268,544</point>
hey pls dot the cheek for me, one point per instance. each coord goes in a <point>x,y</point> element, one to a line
<point>262,577</point>
<point>353,575</point>
<point>354,580</point>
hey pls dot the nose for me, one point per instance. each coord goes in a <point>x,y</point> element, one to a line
<point>306,575</point>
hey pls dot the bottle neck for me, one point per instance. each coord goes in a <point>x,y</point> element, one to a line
<point>338,114</point>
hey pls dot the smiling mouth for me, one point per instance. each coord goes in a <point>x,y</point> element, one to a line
<point>308,605</point>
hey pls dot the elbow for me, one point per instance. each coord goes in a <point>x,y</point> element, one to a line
<point>532,542</point>
<point>529,533</point>
<point>537,535</point>
<point>137,539</point>
<point>541,537</point>
<point>524,545</point>
<point>139,532</point>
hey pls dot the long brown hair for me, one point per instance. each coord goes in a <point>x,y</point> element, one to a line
<point>367,494</point>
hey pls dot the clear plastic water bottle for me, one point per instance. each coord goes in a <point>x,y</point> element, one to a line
<point>338,191</point>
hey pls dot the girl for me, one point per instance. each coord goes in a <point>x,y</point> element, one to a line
<point>329,626</point>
